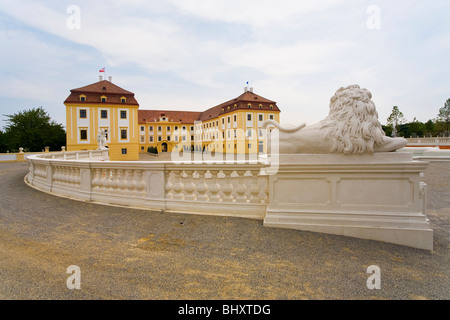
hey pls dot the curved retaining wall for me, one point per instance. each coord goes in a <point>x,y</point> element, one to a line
<point>219,189</point>
<point>379,197</point>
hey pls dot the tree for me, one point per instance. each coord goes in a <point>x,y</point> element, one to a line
<point>444,114</point>
<point>429,128</point>
<point>415,128</point>
<point>395,119</point>
<point>33,130</point>
<point>3,148</point>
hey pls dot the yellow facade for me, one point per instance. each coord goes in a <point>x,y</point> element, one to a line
<point>88,113</point>
<point>122,138</point>
<point>232,127</point>
<point>237,132</point>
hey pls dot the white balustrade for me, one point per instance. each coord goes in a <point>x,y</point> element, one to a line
<point>307,192</point>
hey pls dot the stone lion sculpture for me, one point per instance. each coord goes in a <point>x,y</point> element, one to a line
<point>352,127</point>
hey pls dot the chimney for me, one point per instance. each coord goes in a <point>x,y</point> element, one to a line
<point>100,77</point>
<point>245,89</point>
<point>251,89</point>
<point>110,79</point>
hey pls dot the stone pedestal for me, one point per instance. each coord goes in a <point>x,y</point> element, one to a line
<point>378,197</point>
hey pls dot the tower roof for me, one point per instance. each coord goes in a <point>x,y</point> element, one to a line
<point>94,91</point>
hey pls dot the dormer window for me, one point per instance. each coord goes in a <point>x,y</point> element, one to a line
<point>260,106</point>
<point>103,98</point>
<point>123,100</point>
<point>271,106</point>
<point>82,98</point>
<point>249,105</point>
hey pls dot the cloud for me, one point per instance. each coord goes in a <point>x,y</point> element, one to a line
<point>295,52</point>
<point>295,60</point>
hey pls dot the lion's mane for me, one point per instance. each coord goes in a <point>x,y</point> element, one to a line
<point>352,124</point>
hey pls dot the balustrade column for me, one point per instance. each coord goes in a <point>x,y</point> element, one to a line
<point>202,188</point>
<point>213,186</point>
<point>169,186</point>
<point>189,186</point>
<point>241,188</point>
<point>227,187</point>
<point>254,188</point>
<point>178,186</point>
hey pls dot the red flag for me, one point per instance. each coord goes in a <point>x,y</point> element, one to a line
<point>102,70</point>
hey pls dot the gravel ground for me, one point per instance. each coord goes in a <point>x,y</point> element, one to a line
<point>138,254</point>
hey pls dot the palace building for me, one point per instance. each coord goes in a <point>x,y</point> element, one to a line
<point>234,126</point>
<point>103,106</point>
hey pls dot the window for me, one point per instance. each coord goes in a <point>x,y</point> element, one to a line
<point>235,118</point>
<point>168,138</point>
<point>271,117</point>
<point>176,138</point>
<point>123,114</point>
<point>249,116</point>
<point>150,128</point>
<point>123,100</point>
<point>260,117</point>
<point>104,114</point>
<point>159,138</point>
<point>176,128</point>
<point>142,128</point>
<point>103,98</point>
<point>192,127</point>
<point>124,150</point>
<point>123,134</point>
<point>228,119</point>
<point>168,129</point>
<point>260,106</point>
<point>249,105</point>
<point>83,134</point>
<point>184,138</point>
<point>223,120</point>
<point>249,145</point>
<point>151,139</point>
<point>184,128</point>
<point>83,114</point>
<point>192,138</point>
<point>159,128</point>
<point>142,139</point>
<point>82,98</point>
<point>142,148</point>
<point>249,133</point>
<point>271,107</point>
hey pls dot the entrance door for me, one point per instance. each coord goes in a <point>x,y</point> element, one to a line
<point>164,147</point>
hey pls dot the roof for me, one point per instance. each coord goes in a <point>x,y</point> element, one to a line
<point>241,102</point>
<point>181,116</point>
<point>94,91</point>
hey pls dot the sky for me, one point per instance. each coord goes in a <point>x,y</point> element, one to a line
<point>195,54</point>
